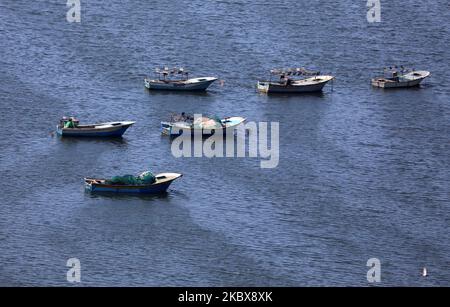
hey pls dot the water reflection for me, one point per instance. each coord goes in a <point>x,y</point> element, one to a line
<point>299,95</point>
<point>120,141</point>
<point>178,94</point>
<point>127,196</point>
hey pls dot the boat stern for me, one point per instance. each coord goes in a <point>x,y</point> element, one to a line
<point>89,184</point>
<point>379,82</point>
<point>263,86</point>
<point>59,130</point>
<point>166,128</point>
<point>147,83</point>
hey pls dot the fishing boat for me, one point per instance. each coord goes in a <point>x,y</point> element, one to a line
<point>307,81</point>
<point>70,126</point>
<point>177,79</point>
<point>179,124</point>
<point>400,77</point>
<point>159,184</point>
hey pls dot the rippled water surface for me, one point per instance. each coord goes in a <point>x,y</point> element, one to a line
<point>363,172</point>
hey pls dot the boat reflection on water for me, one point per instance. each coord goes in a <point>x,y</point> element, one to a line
<point>320,94</point>
<point>130,196</point>
<point>112,141</point>
<point>180,93</point>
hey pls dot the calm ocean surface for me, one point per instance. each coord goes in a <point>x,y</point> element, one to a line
<point>363,172</point>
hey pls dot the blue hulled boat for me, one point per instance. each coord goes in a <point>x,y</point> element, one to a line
<point>69,126</point>
<point>160,184</point>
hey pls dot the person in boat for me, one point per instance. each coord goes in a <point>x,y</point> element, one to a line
<point>69,123</point>
<point>285,80</point>
<point>186,117</point>
<point>395,76</point>
<point>180,117</point>
<point>183,117</point>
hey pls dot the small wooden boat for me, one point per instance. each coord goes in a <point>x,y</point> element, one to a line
<point>311,82</point>
<point>201,125</point>
<point>160,185</point>
<point>177,79</point>
<point>69,126</point>
<point>400,77</point>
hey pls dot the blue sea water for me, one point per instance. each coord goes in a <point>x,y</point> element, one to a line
<point>363,172</point>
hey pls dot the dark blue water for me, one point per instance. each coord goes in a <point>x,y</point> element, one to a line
<point>363,172</point>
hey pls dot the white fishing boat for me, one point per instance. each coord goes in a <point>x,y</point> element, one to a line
<point>177,79</point>
<point>400,77</point>
<point>183,123</point>
<point>309,81</point>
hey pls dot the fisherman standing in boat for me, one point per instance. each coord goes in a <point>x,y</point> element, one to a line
<point>285,80</point>
<point>69,123</point>
<point>395,76</point>
<point>288,81</point>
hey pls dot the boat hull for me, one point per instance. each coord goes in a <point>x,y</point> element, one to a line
<point>160,188</point>
<point>192,85</point>
<point>384,84</point>
<point>199,132</point>
<point>94,132</point>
